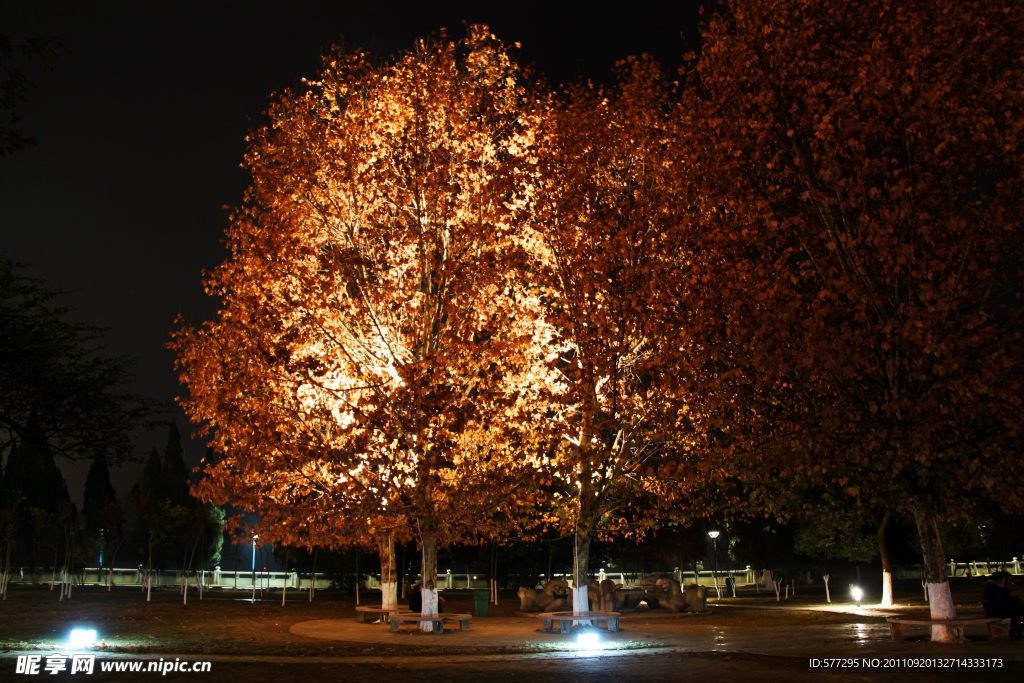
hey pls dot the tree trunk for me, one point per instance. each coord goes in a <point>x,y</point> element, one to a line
<point>403,580</point>
<point>883,552</point>
<point>284,584</point>
<point>428,538</point>
<point>494,575</point>
<point>357,577</point>
<point>312,576</point>
<point>149,567</point>
<point>940,597</point>
<point>388,578</point>
<point>110,569</point>
<point>7,566</point>
<point>580,572</point>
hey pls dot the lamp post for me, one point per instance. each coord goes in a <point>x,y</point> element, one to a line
<point>714,561</point>
<point>254,568</point>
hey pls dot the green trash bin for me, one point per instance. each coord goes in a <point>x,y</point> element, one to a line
<point>481,598</point>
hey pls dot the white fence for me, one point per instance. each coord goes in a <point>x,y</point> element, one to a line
<point>627,579</point>
<point>975,568</point>
<point>211,578</point>
<point>245,580</point>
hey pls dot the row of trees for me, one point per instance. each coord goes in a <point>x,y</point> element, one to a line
<point>163,523</point>
<point>170,524</point>
<point>462,305</point>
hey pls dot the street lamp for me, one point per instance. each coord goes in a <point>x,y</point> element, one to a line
<point>254,568</point>
<point>714,561</point>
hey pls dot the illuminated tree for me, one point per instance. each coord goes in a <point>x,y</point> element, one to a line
<point>866,157</point>
<point>614,244</point>
<point>369,331</point>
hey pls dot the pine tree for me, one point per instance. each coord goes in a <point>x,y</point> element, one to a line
<point>174,480</point>
<point>145,497</point>
<point>33,474</point>
<point>32,470</point>
<point>98,493</point>
<point>150,484</point>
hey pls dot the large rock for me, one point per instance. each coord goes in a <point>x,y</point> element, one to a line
<point>673,598</point>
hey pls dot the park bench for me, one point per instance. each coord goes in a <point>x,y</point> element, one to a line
<point>437,620</point>
<point>995,625</point>
<point>565,619</point>
<point>361,612</point>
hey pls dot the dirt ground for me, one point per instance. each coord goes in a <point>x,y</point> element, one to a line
<point>233,631</point>
<point>226,623</point>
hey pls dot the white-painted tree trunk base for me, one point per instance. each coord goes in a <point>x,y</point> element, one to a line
<point>389,595</point>
<point>886,589</point>
<point>941,601</point>
<point>429,607</point>
<point>828,596</point>
<point>580,602</point>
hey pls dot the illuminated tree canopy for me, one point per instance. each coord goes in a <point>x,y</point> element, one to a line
<point>367,353</point>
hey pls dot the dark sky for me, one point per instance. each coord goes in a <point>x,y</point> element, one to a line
<point>141,131</point>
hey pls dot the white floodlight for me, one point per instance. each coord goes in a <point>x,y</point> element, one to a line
<point>588,641</point>
<point>81,637</point>
<point>713,534</point>
<point>857,594</point>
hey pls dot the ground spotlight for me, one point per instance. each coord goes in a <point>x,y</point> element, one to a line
<point>81,637</point>
<point>857,594</point>
<point>588,640</point>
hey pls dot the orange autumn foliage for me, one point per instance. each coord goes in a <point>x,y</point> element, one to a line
<point>866,159</point>
<point>365,360</point>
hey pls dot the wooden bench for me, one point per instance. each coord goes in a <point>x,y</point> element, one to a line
<point>361,612</point>
<point>437,620</point>
<point>995,625</point>
<point>565,619</point>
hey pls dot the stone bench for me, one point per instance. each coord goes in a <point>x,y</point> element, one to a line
<point>436,620</point>
<point>995,625</point>
<point>361,612</point>
<point>565,619</point>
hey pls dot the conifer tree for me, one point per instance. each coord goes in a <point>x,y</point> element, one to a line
<point>174,482</point>
<point>150,484</point>
<point>98,493</point>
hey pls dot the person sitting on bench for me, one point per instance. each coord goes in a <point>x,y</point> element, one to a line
<point>416,600</point>
<point>998,602</point>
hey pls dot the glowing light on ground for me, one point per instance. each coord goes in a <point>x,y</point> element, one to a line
<point>81,637</point>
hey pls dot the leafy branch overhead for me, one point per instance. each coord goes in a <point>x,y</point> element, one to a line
<point>56,385</point>
<point>15,83</point>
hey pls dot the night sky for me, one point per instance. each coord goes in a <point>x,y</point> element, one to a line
<point>141,129</point>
